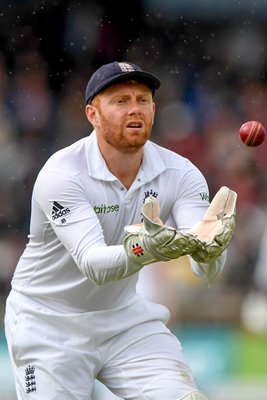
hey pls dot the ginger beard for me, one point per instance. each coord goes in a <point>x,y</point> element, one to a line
<point>122,138</point>
<point>122,135</point>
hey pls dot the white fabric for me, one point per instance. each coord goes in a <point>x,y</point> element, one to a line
<point>136,358</point>
<point>195,396</point>
<point>75,260</point>
<point>209,272</point>
<point>73,313</point>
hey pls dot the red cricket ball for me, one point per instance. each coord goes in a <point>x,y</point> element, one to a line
<point>252,133</point>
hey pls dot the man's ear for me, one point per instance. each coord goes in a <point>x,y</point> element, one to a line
<point>91,114</point>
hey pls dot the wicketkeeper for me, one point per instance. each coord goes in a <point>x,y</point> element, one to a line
<point>100,212</point>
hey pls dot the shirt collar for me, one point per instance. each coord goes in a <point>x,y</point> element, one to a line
<point>152,164</point>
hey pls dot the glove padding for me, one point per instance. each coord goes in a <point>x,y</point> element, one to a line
<point>134,246</point>
<point>216,229</point>
<point>152,241</point>
<point>165,241</point>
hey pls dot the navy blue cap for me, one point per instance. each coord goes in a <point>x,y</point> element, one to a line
<point>115,72</point>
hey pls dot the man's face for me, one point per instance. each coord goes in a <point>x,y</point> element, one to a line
<point>123,116</point>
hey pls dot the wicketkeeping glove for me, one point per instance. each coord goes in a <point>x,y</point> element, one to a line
<point>217,227</point>
<point>152,241</point>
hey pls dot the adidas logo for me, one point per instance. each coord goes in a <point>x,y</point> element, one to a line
<point>58,210</point>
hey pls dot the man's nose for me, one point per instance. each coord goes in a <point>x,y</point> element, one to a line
<point>134,107</point>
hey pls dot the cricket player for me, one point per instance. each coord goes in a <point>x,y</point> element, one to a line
<point>99,213</point>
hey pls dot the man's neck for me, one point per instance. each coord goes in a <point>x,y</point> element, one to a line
<point>124,166</point>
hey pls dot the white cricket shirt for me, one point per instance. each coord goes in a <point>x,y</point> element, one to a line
<point>75,260</point>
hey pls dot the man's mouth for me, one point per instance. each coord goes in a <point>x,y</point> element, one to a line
<point>134,125</point>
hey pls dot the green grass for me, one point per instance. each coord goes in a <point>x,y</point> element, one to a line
<point>251,355</point>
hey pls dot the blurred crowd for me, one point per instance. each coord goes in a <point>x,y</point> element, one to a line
<point>213,80</point>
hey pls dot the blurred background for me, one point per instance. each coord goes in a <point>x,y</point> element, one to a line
<point>211,58</point>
